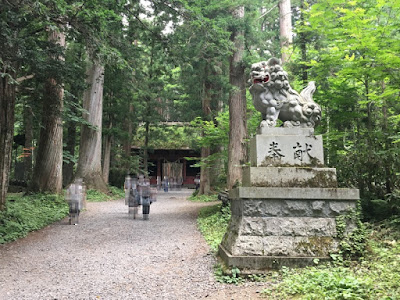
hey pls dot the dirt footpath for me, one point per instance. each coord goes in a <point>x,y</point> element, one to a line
<point>109,255</point>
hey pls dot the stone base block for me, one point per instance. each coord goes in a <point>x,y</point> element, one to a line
<point>272,227</point>
<point>292,246</point>
<point>289,226</point>
<point>292,202</point>
<point>269,193</point>
<point>252,264</point>
<point>289,177</point>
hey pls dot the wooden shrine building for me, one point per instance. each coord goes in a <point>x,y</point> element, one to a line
<point>173,163</point>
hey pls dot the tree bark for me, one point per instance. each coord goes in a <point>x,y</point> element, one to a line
<point>47,173</point>
<point>146,148</point>
<point>370,143</point>
<point>7,113</point>
<point>68,167</point>
<point>218,164</point>
<point>127,144</point>
<point>388,158</point>
<point>28,123</point>
<point>303,47</point>
<point>285,29</point>
<point>107,156</point>
<point>237,154</point>
<point>205,188</point>
<point>89,163</point>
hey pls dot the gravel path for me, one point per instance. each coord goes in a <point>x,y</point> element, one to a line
<point>111,256</point>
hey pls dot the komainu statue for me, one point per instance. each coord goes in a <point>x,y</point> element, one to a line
<point>275,99</point>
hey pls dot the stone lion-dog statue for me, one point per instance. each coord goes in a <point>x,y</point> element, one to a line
<point>275,99</point>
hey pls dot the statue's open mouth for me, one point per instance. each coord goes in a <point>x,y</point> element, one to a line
<point>261,80</point>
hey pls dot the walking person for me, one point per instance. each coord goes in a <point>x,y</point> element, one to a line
<point>165,184</point>
<point>145,196</point>
<point>127,188</point>
<point>197,182</point>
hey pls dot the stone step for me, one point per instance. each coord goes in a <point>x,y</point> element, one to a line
<point>253,264</point>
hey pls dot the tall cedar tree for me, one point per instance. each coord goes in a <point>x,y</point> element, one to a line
<point>47,173</point>
<point>237,154</point>
<point>89,163</point>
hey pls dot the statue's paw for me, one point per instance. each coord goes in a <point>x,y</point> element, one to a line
<point>309,124</point>
<point>287,124</point>
<point>267,123</point>
<point>291,124</point>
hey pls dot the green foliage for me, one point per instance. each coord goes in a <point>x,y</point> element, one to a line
<point>352,244</point>
<point>117,192</point>
<point>317,283</point>
<point>375,276</point>
<point>33,212</point>
<point>257,277</point>
<point>351,50</point>
<point>203,198</point>
<point>97,196</point>
<point>215,134</point>
<point>213,222</point>
<point>29,213</point>
<point>121,165</point>
<point>232,278</point>
<point>167,137</point>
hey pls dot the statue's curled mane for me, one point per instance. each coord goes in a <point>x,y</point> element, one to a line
<point>275,99</point>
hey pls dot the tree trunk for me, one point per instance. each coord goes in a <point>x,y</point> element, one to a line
<point>387,145</point>
<point>89,163</point>
<point>303,47</point>
<point>370,143</point>
<point>205,188</point>
<point>107,156</point>
<point>218,164</point>
<point>237,108</point>
<point>47,173</point>
<point>28,151</point>
<point>285,29</point>
<point>128,142</point>
<point>68,167</point>
<point>146,149</point>
<point>7,111</point>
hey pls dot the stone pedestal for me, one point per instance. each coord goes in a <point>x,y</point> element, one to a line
<point>285,212</point>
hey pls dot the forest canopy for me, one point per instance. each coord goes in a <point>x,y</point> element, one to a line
<point>74,74</point>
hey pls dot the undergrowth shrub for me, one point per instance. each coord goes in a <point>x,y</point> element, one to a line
<point>97,196</point>
<point>203,198</point>
<point>232,278</point>
<point>374,276</point>
<point>213,222</point>
<point>117,192</point>
<point>33,212</point>
<point>323,282</point>
<point>352,244</point>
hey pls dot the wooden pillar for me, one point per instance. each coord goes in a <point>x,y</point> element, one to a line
<point>159,167</point>
<point>184,170</point>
